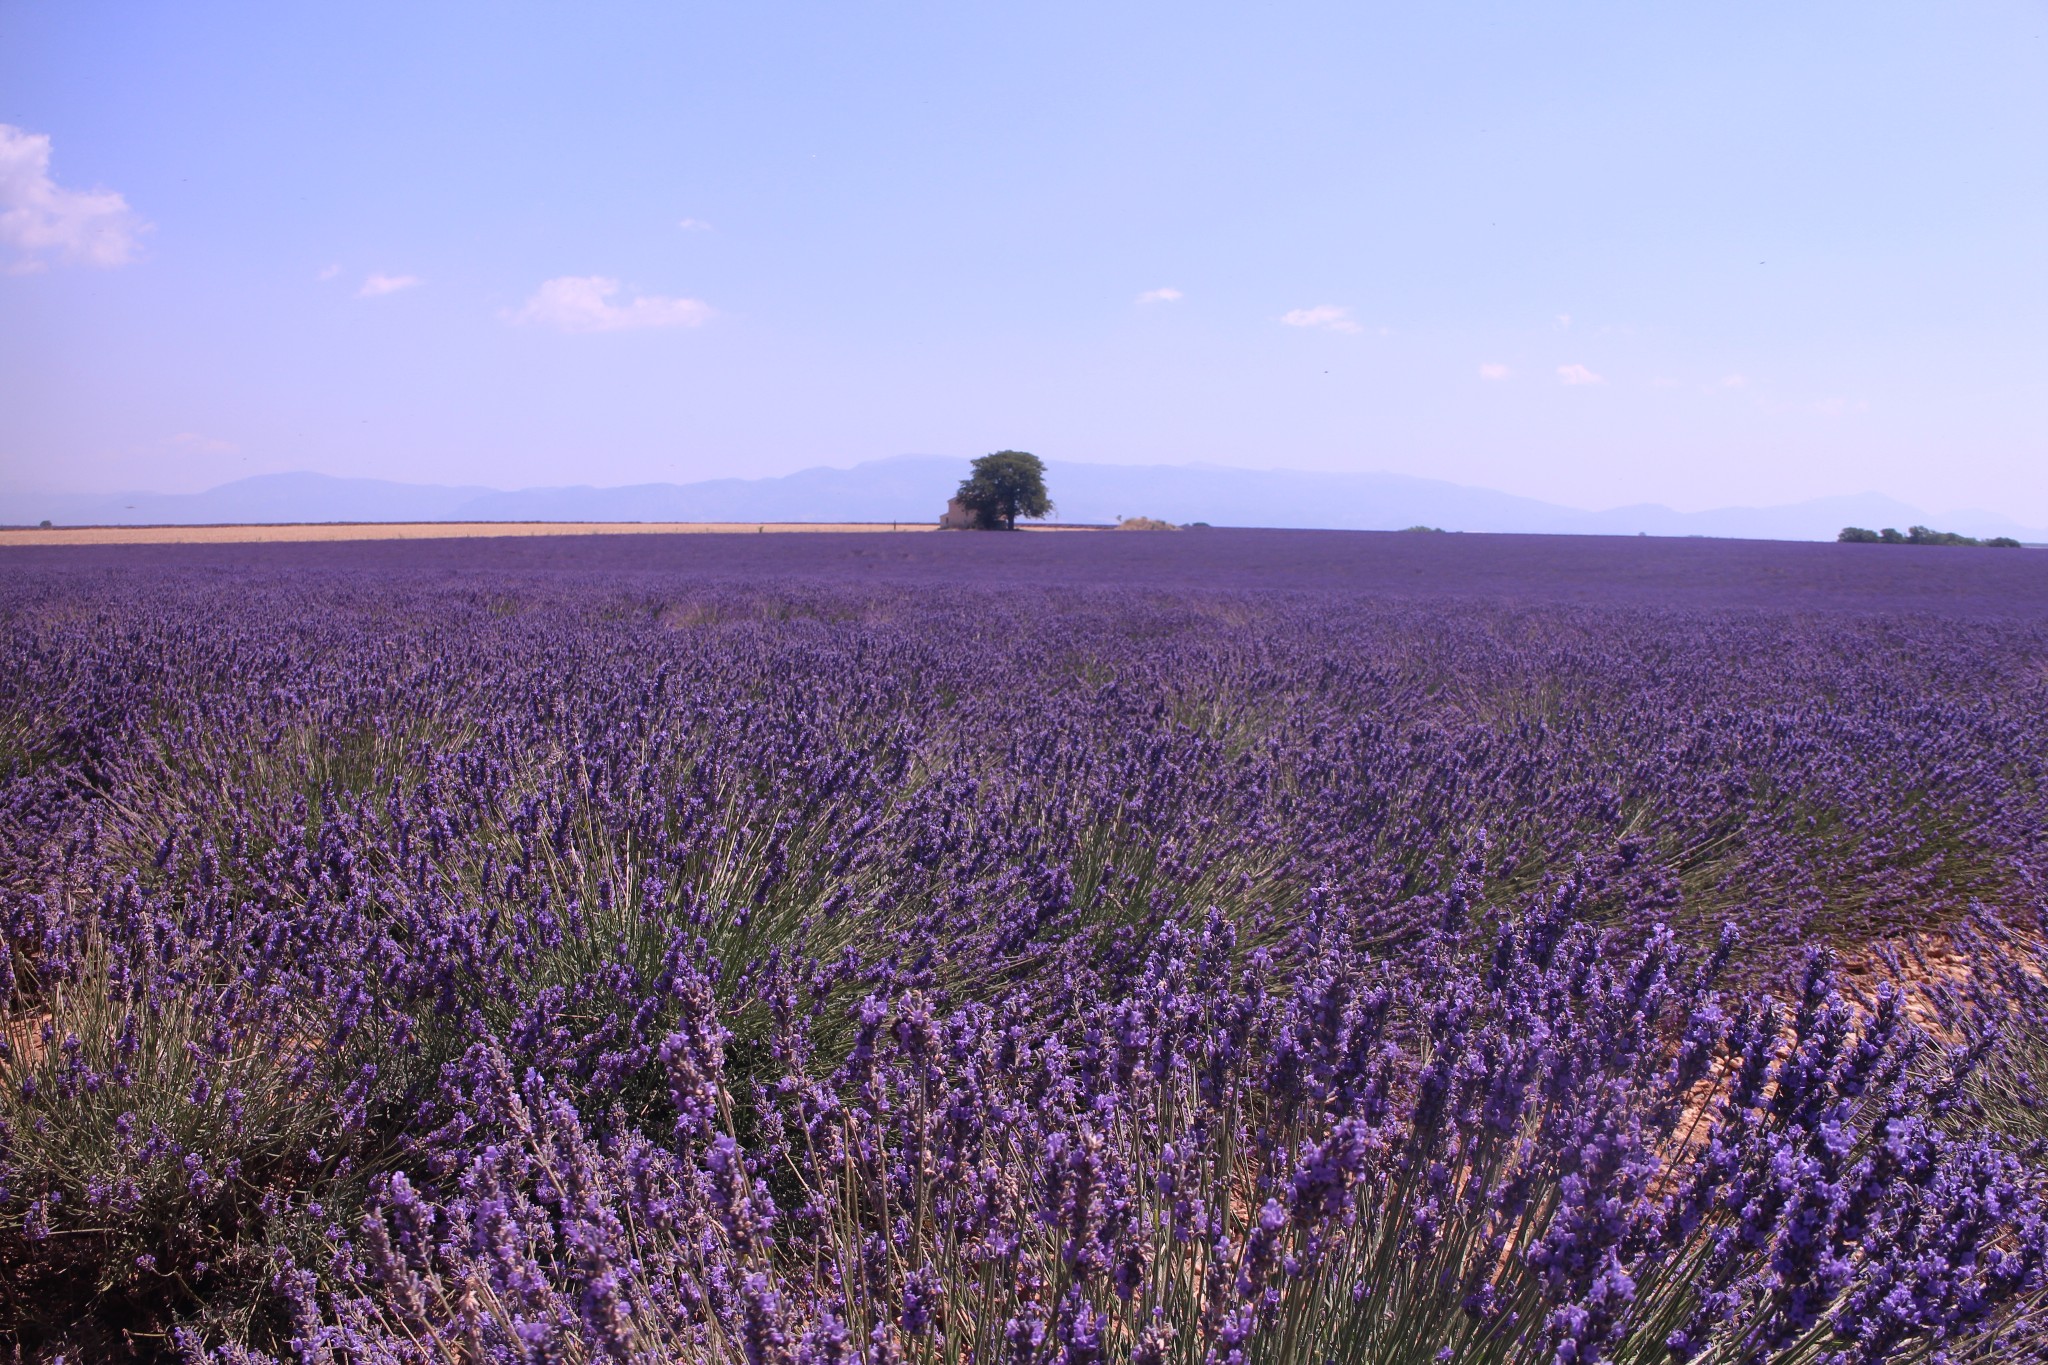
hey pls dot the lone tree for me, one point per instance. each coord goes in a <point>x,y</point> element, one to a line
<point>1003,487</point>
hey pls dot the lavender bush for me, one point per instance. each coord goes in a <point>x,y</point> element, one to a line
<point>809,959</point>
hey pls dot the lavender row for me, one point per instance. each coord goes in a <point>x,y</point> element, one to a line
<point>548,966</point>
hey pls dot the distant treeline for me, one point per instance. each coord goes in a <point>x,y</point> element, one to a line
<point>1919,535</point>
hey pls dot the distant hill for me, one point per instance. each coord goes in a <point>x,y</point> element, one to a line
<point>914,488</point>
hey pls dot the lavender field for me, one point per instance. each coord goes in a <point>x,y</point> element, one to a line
<point>1210,947</point>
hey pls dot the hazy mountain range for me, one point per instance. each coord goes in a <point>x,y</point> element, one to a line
<point>914,489</point>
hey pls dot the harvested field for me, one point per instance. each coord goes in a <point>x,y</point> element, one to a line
<point>421,530</point>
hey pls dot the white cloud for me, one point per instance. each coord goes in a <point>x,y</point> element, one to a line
<point>1325,315</point>
<point>42,220</point>
<point>1494,372</point>
<point>195,443</point>
<point>376,286</point>
<point>694,225</point>
<point>583,303</point>
<point>1578,374</point>
<point>1733,381</point>
<point>1564,320</point>
<point>1164,294</point>
<point>327,272</point>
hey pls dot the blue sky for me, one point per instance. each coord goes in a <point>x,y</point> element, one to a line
<point>1596,253</point>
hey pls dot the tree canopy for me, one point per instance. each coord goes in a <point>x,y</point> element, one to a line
<point>1003,487</point>
<point>1919,535</point>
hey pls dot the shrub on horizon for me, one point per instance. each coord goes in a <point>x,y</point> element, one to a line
<point>1918,535</point>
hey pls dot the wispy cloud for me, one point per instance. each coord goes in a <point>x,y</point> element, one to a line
<point>195,443</point>
<point>1732,381</point>
<point>1578,374</point>
<point>376,286</point>
<point>327,272</point>
<point>1494,372</point>
<point>1325,315</point>
<point>1564,320</point>
<point>1837,407</point>
<point>694,225</point>
<point>43,221</point>
<point>1163,294</point>
<point>584,303</point>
